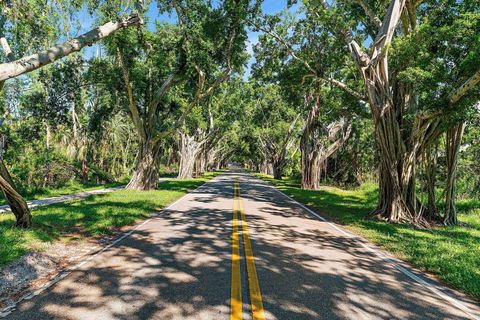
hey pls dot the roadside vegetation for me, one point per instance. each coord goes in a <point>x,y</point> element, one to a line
<point>451,253</point>
<point>94,216</point>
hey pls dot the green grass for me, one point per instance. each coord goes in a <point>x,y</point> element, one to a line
<point>451,253</point>
<point>96,215</point>
<point>71,187</point>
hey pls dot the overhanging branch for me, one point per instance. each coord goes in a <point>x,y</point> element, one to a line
<point>27,64</point>
<point>465,87</point>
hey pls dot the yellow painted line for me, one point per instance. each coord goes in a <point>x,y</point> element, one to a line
<point>236,289</point>
<point>255,295</point>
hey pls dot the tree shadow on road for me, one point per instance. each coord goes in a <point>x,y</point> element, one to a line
<point>178,266</point>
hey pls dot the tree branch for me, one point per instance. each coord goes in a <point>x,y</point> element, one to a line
<point>132,105</point>
<point>465,87</point>
<point>197,97</point>
<point>375,20</point>
<point>156,99</point>
<point>385,34</point>
<point>228,69</point>
<point>38,60</point>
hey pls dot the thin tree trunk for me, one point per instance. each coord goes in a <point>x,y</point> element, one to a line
<point>47,166</point>
<point>74,118</point>
<point>146,174</point>
<point>430,161</point>
<point>84,171</point>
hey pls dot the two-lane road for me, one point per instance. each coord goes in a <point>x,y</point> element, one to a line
<point>235,249</point>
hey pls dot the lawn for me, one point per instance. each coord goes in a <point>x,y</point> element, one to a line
<point>451,253</point>
<point>93,216</point>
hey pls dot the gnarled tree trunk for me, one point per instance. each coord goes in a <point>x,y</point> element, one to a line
<point>311,166</point>
<point>315,153</point>
<point>309,148</point>
<point>16,202</point>
<point>146,174</point>
<point>188,151</point>
<point>398,145</point>
<point>278,167</point>
<point>453,140</point>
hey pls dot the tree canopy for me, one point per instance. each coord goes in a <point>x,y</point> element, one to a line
<point>331,92</point>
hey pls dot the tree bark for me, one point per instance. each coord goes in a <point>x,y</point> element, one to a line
<point>430,164</point>
<point>16,202</point>
<point>189,149</point>
<point>278,167</point>
<point>453,140</point>
<point>316,153</point>
<point>146,174</point>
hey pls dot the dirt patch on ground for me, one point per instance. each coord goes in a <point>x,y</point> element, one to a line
<point>36,269</point>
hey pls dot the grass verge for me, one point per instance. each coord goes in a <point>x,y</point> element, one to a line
<point>95,215</point>
<point>450,253</point>
<point>71,187</point>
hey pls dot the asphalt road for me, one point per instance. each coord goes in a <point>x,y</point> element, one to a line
<point>188,263</point>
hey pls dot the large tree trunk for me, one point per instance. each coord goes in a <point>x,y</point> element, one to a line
<point>310,160</point>
<point>316,153</point>
<point>266,168</point>
<point>398,156</point>
<point>146,172</point>
<point>278,167</point>
<point>16,202</point>
<point>453,140</point>
<point>397,146</point>
<point>311,165</point>
<point>201,163</point>
<point>397,197</point>
<point>189,149</point>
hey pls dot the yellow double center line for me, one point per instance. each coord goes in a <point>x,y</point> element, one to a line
<point>253,285</point>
